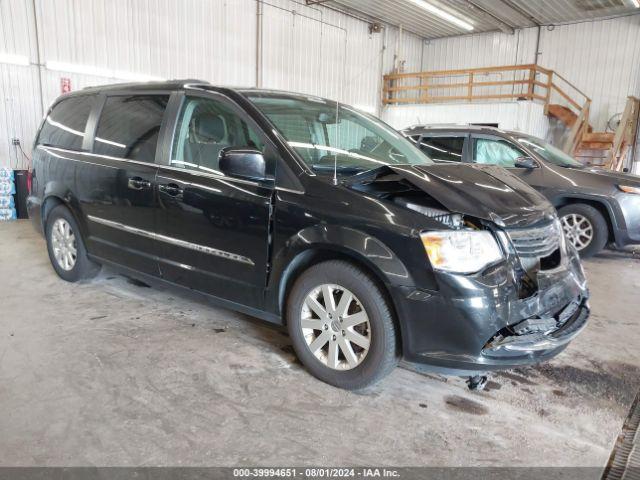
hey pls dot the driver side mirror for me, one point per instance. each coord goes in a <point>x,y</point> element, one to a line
<point>243,162</point>
<point>525,162</point>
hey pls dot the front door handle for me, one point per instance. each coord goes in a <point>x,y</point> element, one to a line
<point>137,183</point>
<point>171,189</point>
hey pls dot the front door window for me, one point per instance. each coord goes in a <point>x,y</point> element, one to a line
<point>489,151</point>
<point>205,128</point>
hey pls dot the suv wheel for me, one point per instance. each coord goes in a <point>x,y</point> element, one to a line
<point>585,228</point>
<point>66,249</point>
<point>341,325</point>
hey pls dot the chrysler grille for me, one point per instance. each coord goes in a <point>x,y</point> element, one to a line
<point>535,242</point>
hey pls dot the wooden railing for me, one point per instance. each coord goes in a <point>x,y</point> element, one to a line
<point>511,82</point>
<point>625,136</point>
<point>528,82</point>
<point>516,82</point>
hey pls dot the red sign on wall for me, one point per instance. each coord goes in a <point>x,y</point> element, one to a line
<point>65,85</point>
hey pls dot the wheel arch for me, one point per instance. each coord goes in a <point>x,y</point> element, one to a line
<point>316,254</point>
<point>600,205</point>
<point>52,200</point>
<point>49,203</point>
<point>323,242</point>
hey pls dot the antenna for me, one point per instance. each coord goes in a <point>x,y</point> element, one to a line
<point>335,153</point>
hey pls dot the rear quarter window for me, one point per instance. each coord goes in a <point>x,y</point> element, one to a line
<point>64,126</point>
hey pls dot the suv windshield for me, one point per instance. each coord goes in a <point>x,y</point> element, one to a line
<point>323,132</point>
<point>549,152</point>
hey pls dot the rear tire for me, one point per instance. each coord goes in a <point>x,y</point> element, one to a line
<point>66,248</point>
<point>585,228</point>
<point>350,344</point>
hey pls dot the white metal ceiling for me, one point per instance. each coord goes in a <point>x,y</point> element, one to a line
<point>486,15</point>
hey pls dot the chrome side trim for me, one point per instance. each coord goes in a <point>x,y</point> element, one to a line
<point>173,241</point>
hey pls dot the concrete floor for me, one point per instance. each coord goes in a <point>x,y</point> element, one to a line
<point>114,373</point>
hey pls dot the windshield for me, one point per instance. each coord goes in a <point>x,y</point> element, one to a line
<point>549,152</point>
<point>323,132</point>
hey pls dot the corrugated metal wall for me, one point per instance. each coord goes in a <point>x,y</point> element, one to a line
<point>601,58</point>
<point>525,117</point>
<point>312,49</point>
<point>20,109</point>
<point>484,50</point>
<point>309,49</point>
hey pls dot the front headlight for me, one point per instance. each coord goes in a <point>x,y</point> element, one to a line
<point>461,251</point>
<point>628,189</point>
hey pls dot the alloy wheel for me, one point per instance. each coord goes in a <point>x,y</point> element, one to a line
<point>336,327</point>
<point>63,242</point>
<point>578,229</point>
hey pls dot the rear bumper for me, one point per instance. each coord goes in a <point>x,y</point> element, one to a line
<point>34,207</point>
<point>477,323</point>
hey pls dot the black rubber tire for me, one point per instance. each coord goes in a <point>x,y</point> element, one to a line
<point>600,227</point>
<point>84,268</point>
<point>382,357</point>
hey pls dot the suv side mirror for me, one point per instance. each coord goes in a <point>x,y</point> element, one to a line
<point>525,162</point>
<point>242,162</point>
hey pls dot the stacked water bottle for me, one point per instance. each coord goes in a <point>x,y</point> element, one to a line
<point>7,191</point>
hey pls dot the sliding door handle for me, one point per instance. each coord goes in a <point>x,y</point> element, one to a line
<point>171,189</point>
<point>137,183</point>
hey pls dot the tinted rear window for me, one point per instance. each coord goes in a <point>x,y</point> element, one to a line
<point>447,149</point>
<point>64,126</point>
<point>129,126</point>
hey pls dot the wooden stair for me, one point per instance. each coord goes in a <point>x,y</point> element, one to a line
<point>593,148</point>
<point>562,113</point>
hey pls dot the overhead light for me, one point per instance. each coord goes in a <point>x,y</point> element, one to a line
<point>100,72</point>
<point>444,15</point>
<point>14,59</point>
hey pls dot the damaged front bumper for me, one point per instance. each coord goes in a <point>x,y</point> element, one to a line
<point>477,323</point>
<point>536,334</point>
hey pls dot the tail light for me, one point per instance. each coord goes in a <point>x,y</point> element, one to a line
<point>29,181</point>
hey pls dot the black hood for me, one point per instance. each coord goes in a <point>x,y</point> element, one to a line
<point>482,191</point>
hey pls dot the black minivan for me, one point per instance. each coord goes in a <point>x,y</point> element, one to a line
<point>305,212</point>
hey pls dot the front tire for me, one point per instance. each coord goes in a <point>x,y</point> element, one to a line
<point>66,248</point>
<point>585,228</point>
<point>341,325</point>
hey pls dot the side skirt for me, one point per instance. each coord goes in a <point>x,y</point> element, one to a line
<point>217,301</point>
